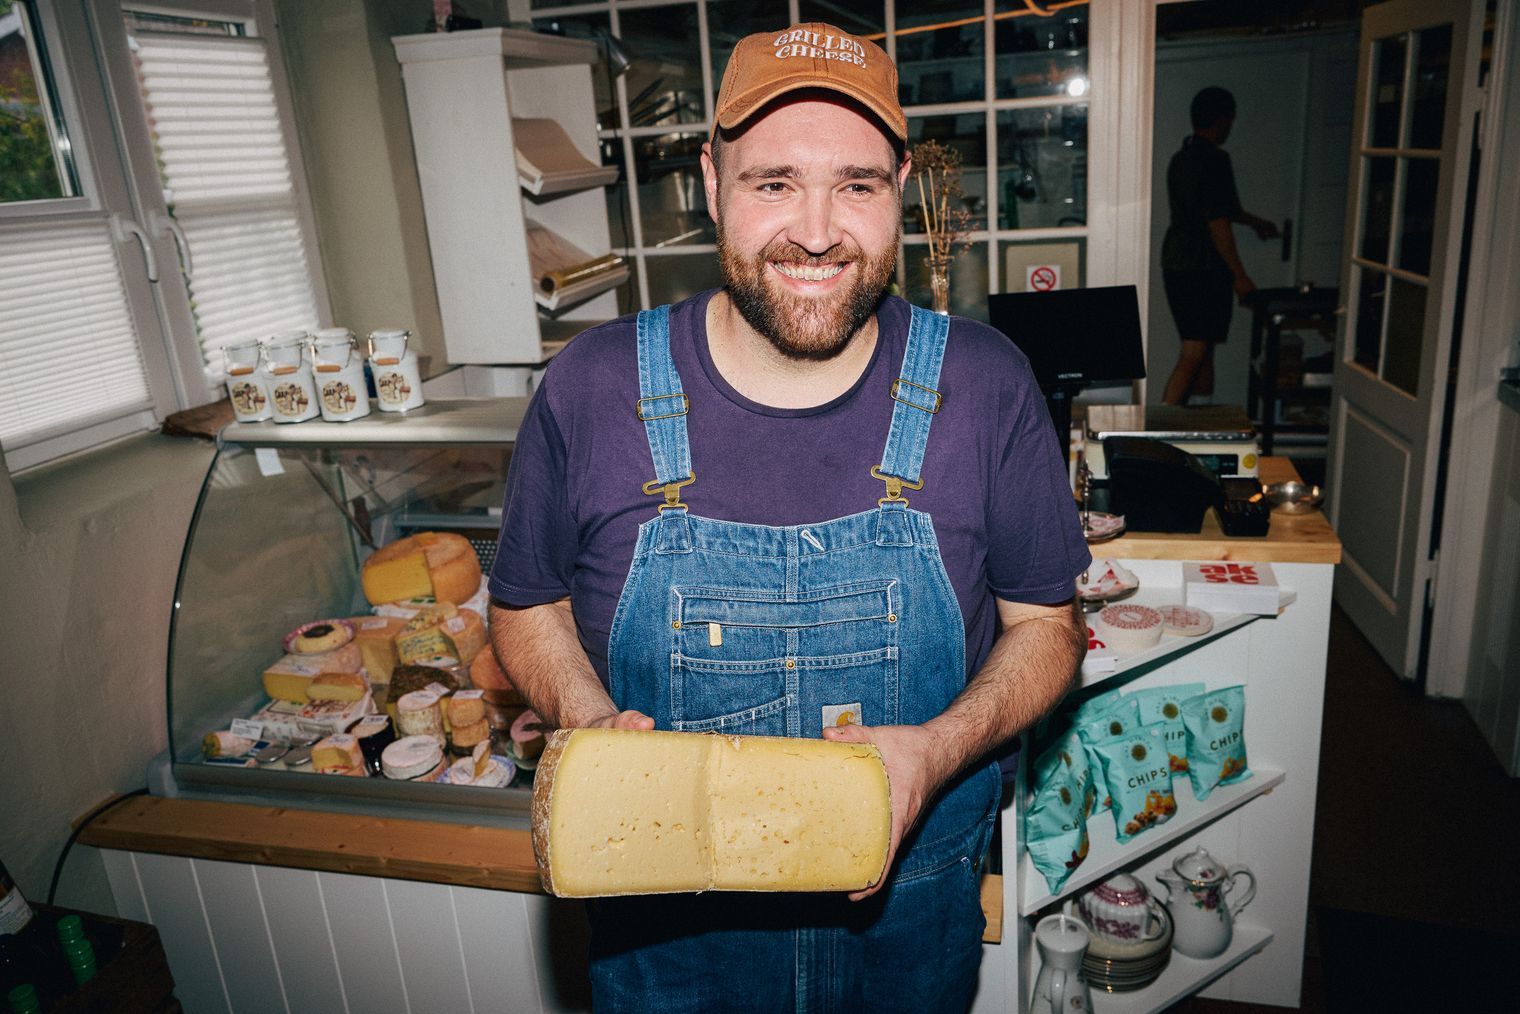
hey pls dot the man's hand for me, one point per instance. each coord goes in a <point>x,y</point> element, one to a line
<point>1264,229</point>
<point>915,769</point>
<point>1243,288</point>
<point>622,720</point>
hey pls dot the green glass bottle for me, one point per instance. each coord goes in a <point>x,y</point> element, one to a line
<point>76,949</point>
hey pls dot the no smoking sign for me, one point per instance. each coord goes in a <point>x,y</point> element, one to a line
<point>1042,277</point>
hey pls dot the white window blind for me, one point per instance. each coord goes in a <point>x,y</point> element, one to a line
<point>68,349</point>
<point>227,181</point>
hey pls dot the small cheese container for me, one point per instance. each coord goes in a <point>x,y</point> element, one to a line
<point>339,374</point>
<point>292,389</point>
<point>247,383</point>
<point>398,377</point>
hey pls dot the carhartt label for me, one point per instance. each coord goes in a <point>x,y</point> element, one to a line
<point>714,635</point>
<point>841,714</point>
<point>818,46</point>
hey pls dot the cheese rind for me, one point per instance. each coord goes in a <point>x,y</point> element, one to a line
<point>622,812</point>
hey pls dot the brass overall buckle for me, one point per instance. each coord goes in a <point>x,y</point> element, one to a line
<point>895,486</point>
<point>672,490</point>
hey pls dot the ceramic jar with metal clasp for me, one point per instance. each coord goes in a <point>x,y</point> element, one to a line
<point>398,377</point>
<point>1203,919</point>
<point>247,383</point>
<point>291,387</point>
<point>339,373</point>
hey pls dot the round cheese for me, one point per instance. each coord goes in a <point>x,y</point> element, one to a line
<point>1129,627</point>
<point>418,714</point>
<point>319,636</point>
<point>527,736</point>
<point>486,674</point>
<point>465,737</point>
<point>441,564</point>
<point>413,758</point>
<point>466,708</point>
<point>1185,620</point>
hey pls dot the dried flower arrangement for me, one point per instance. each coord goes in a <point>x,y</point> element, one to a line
<point>937,171</point>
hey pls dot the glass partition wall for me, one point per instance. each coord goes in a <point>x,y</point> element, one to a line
<point>1004,82</point>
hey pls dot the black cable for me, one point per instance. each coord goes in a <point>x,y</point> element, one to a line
<point>89,818</point>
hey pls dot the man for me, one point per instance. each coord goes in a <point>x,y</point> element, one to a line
<point>756,416</point>
<point>1200,265</point>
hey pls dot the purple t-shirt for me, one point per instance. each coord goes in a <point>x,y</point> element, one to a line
<point>994,481</point>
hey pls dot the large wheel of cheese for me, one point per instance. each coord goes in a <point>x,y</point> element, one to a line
<point>452,564</point>
<point>486,674</point>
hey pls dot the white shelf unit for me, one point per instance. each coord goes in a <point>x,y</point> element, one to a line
<point>1169,646</point>
<point>463,90</point>
<point>1265,822</point>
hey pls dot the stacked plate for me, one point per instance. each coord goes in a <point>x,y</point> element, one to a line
<point>1120,968</point>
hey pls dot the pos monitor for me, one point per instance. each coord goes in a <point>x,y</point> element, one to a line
<point>1074,338</point>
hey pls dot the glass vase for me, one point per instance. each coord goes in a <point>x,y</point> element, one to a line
<point>939,284</point>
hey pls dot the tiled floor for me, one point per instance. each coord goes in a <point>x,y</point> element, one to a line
<point>1416,824</point>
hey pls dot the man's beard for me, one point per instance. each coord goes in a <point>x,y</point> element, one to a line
<point>801,327</point>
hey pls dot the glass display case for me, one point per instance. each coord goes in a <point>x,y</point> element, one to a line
<point>287,517</point>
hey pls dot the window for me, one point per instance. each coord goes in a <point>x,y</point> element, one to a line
<point>228,192</point>
<point>133,142</point>
<point>1017,114</point>
<point>73,319</point>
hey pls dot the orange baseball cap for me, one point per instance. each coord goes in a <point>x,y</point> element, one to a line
<point>767,65</point>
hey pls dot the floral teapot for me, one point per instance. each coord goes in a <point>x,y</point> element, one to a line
<point>1202,918</point>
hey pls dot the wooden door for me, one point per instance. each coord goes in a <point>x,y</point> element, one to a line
<point>1403,231</point>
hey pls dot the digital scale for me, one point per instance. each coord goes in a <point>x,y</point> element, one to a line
<point>1221,437</point>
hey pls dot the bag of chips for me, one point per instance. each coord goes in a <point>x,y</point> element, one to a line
<point>1122,717</point>
<point>1055,824</point>
<point>1138,774</point>
<point>1216,741</point>
<point>1068,752</point>
<point>1095,706</point>
<point>1164,705</point>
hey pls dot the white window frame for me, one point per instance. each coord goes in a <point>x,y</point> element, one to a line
<point>104,195</point>
<point>129,118</point>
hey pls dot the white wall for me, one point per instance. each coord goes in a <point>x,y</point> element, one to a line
<point>89,550</point>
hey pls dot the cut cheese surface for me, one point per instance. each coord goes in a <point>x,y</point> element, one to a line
<point>623,812</point>
<point>376,638</point>
<point>401,577</point>
<point>290,677</point>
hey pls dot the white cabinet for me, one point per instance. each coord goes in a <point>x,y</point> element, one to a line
<point>1265,822</point>
<point>464,90</point>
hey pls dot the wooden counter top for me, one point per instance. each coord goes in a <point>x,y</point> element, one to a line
<point>1293,538</point>
<point>435,852</point>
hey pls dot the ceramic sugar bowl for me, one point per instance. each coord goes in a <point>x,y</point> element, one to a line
<point>1121,911</point>
<point>1203,918</point>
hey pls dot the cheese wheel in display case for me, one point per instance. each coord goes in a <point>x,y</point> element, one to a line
<point>466,707</point>
<point>441,630</point>
<point>376,638</point>
<point>318,637</point>
<point>418,714</point>
<point>486,673</point>
<point>1128,628</point>
<point>413,759</point>
<point>289,678</point>
<point>464,738</point>
<point>337,686</point>
<point>698,812</point>
<point>440,564</point>
<point>1185,621</point>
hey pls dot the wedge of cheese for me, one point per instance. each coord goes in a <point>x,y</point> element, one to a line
<point>442,629</point>
<point>441,564</point>
<point>290,677</point>
<point>622,812</point>
<point>376,638</point>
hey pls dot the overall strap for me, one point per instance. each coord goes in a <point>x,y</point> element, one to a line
<point>662,407</point>
<point>917,400</point>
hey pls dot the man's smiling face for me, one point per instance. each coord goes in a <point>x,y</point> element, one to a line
<point>809,210</point>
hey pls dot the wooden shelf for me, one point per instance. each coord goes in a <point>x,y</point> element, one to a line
<point>560,182</point>
<point>1106,854</point>
<point>1183,976</point>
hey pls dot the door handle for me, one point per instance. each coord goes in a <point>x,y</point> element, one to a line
<point>1287,239</point>
<point>123,229</point>
<point>167,223</point>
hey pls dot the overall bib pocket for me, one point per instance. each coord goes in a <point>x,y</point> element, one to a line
<point>746,662</point>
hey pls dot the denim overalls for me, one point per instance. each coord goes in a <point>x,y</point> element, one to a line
<point>760,630</point>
